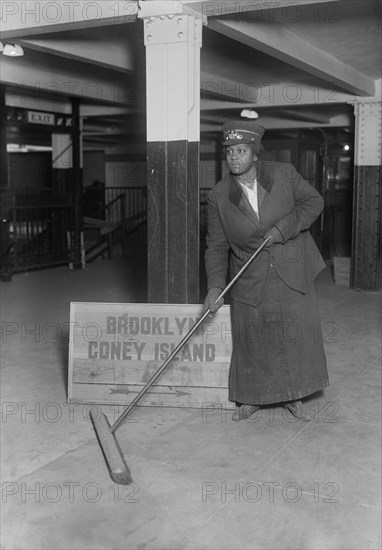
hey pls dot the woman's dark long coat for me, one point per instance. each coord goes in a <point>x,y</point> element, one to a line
<point>277,287</point>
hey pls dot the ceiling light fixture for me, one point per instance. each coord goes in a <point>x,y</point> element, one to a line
<point>249,113</point>
<point>13,50</point>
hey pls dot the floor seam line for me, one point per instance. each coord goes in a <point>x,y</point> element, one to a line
<point>361,423</point>
<point>262,467</point>
<point>54,460</point>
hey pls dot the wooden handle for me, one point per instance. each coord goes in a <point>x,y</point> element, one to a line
<point>129,407</point>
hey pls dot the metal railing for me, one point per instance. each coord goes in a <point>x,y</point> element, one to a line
<point>36,229</point>
<point>121,223</point>
<point>39,235</point>
<point>135,202</point>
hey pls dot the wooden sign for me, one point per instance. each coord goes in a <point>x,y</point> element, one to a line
<point>116,348</point>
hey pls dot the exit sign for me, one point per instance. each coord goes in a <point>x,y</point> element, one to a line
<point>41,118</point>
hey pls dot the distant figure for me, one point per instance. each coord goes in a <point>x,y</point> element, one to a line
<point>94,200</point>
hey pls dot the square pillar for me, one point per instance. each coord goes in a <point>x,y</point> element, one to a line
<point>173,41</point>
<point>6,196</point>
<point>366,262</point>
<point>67,182</point>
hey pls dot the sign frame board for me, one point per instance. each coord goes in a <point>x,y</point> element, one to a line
<point>37,117</point>
<point>114,349</point>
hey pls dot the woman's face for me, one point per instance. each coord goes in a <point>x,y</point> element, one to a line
<point>240,158</point>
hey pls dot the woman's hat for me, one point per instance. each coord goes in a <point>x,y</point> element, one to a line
<point>242,131</point>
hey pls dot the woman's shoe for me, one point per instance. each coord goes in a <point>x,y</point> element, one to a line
<point>297,410</point>
<point>243,412</point>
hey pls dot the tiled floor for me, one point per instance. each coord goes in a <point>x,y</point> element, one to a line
<point>200,482</point>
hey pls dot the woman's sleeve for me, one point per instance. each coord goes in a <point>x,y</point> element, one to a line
<point>216,256</point>
<point>308,205</point>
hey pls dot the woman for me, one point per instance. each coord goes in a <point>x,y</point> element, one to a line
<point>278,354</point>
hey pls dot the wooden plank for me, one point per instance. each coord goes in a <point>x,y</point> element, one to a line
<point>165,396</point>
<point>177,221</point>
<point>173,221</point>
<point>116,348</point>
<point>157,214</point>
<point>366,261</point>
<point>179,374</point>
<point>193,220</point>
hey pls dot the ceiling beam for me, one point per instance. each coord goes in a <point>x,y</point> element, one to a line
<point>103,110</point>
<point>100,136</point>
<point>216,87</point>
<point>217,8</point>
<point>31,17</point>
<point>307,116</point>
<point>307,98</point>
<point>208,93</point>
<point>69,80</point>
<point>281,43</point>
<point>22,99</point>
<point>271,94</point>
<point>33,100</point>
<point>271,123</point>
<point>106,54</point>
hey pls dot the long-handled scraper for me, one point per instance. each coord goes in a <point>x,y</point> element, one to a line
<point>118,469</point>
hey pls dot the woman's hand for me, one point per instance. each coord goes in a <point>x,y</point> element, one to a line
<point>275,236</point>
<point>210,301</point>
